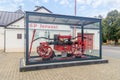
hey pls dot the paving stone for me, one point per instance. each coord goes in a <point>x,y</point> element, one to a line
<point>9,70</point>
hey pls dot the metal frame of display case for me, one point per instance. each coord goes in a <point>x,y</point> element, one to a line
<point>64,20</point>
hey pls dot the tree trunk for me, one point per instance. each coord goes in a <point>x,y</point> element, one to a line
<point>116,41</point>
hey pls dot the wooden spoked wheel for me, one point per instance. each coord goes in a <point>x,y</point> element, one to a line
<point>45,52</point>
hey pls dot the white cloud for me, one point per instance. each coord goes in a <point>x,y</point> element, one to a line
<point>97,12</point>
<point>45,1</point>
<point>67,3</point>
<point>3,1</point>
<point>36,2</point>
<point>64,2</point>
<point>11,5</point>
<point>87,7</point>
<point>81,1</point>
<point>98,3</point>
<point>56,0</point>
<point>96,7</point>
<point>18,1</point>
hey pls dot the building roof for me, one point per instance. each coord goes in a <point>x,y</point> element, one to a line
<point>19,11</point>
<point>9,17</point>
<point>40,7</point>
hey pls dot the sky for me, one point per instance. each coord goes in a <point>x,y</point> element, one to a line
<point>86,8</point>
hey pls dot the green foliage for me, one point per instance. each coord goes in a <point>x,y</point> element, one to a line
<point>111,26</point>
<point>104,31</point>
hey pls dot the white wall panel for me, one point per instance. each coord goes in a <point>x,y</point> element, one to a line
<point>1,38</point>
<point>12,43</point>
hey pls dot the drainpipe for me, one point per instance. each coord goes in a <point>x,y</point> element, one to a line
<point>5,40</point>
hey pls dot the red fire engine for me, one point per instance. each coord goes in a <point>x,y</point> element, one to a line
<point>63,44</point>
<point>74,47</point>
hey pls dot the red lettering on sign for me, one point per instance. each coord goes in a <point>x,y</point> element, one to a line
<point>35,25</point>
<point>30,25</point>
<point>43,26</point>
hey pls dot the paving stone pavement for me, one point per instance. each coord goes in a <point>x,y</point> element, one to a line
<point>9,70</point>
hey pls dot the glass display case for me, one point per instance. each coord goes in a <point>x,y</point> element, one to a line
<point>52,38</point>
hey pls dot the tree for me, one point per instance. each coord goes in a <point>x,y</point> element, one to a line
<point>111,26</point>
<point>104,31</point>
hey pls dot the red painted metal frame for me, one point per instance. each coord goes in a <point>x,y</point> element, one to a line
<point>34,31</point>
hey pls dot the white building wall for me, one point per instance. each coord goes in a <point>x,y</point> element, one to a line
<point>1,38</point>
<point>42,10</point>
<point>12,43</point>
<point>18,24</point>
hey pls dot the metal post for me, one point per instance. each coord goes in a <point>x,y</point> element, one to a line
<point>75,15</point>
<point>82,31</point>
<point>27,38</point>
<point>5,39</point>
<point>75,8</point>
<point>100,33</point>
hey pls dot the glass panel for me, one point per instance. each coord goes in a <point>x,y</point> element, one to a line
<point>63,43</point>
<point>92,38</point>
<point>94,25</point>
<point>48,38</point>
<point>34,18</point>
<point>61,20</point>
<point>41,18</point>
<point>73,21</point>
<point>53,42</point>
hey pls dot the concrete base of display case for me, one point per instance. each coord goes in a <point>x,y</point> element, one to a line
<point>23,67</point>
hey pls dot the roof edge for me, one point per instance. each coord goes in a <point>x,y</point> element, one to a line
<point>39,7</point>
<point>15,21</point>
<point>2,26</point>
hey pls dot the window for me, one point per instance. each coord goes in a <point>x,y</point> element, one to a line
<point>19,36</point>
